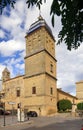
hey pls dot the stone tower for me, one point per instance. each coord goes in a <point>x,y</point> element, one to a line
<point>79,90</point>
<point>5,74</point>
<point>40,69</point>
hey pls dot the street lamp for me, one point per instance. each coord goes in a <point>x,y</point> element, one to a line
<point>4,113</point>
<point>3,105</point>
<point>0,104</point>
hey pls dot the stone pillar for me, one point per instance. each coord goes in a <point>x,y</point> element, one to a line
<point>18,115</point>
<point>22,115</point>
<point>73,109</point>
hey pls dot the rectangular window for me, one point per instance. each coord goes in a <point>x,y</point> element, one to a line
<point>51,67</point>
<point>18,93</point>
<point>51,91</point>
<point>33,90</point>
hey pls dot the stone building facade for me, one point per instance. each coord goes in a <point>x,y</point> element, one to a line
<point>79,91</point>
<point>36,90</point>
<point>64,95</point>
<point>13,91</point>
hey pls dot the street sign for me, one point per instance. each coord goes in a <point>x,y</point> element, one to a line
<point>11,103</point>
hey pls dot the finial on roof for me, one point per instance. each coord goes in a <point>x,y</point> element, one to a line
<point>39,11</point>
<point>6,70</point>
<point>6,67</point>
<point>40,17</point>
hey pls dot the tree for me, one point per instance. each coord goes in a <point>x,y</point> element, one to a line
<point>71,12</point>
<point>64,104</point>
<point>5,3</point>
<point>80,106</point>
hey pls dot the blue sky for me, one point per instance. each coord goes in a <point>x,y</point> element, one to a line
<point>14,24</point>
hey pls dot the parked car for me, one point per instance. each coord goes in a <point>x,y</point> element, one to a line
<point>32,114</point>
<point>6,112</point>
<point>1,111</point>
<point>82,127</point>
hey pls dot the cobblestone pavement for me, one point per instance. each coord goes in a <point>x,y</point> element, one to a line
<point>9,120</point>
<point>11,123</point>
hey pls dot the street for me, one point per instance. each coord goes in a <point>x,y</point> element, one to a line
<point>46,123</point>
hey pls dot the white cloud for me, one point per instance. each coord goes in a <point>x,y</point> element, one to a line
<point>1,69</point>
<point>2,34</point>
<point>20,66</point>
<point>69,66</point>
<point>22,54</point>
<point>10,47</point>
<point>0,85</point>
<point>8,23</point>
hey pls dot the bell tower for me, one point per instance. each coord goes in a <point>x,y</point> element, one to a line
<point>5,74</point>
<point>40,69</point>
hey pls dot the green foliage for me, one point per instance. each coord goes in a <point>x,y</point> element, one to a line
<point>4,3</point>
<point>34,2</point>
<point>80,106</point>
<point>71,13</point>
<point>64,104</point>
<point>71,17</point>
<point>72,21</point>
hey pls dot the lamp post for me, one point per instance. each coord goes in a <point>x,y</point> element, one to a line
<point>0,98</point>
<point>0,102</point>
<point>4,113</point>
<point>3,105</point>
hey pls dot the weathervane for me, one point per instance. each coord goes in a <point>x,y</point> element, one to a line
<point>40,12</point>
